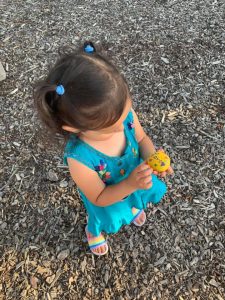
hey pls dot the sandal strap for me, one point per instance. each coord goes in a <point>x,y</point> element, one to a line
<point>136,212</point>
<point>95,242</point>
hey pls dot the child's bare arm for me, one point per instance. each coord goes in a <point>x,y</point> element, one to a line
<point>98,193</point>
<point>147,147</point>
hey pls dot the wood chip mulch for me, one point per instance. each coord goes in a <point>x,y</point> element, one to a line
<point>173,55</point>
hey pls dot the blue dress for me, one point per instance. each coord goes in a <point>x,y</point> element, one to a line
<point>113,169</point>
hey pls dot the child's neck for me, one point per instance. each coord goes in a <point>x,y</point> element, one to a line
<point>111,146</point>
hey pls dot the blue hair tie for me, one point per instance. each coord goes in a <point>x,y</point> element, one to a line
<point>60,90</point>
<point>89,49</point>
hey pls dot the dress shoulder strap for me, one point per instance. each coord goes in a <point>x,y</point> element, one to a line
<point>75,149</point>
<point>129,124</point>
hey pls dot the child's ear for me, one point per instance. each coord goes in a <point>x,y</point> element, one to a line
<point>70,129</point>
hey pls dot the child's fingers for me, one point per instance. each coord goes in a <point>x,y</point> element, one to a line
<point>144,180</point>
<point>145,173</point>
<point>145,184</point>
<point>143,166</point>
<point>148,185</point>
<point>163,174</point>
<point>170,170</point>
<point>148,180</point>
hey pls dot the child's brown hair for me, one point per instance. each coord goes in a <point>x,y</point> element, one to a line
<point>94,97</point>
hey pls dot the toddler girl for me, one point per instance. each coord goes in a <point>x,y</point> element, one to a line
<point>86,96</point>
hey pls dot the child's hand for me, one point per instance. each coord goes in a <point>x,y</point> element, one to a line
<point>169,171</point>
<point>141,177</point>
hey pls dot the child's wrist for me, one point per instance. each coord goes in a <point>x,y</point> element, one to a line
<point>128,186</point>
<point>153,152</point>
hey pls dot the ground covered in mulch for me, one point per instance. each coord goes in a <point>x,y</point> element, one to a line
<point>172,53</point>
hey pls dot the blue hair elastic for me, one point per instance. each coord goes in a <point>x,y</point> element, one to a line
<point>60,90</point>
<point>89,49</point>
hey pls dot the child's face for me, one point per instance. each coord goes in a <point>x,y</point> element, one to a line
<point>106,133</point>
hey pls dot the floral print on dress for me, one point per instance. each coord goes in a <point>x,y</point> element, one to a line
<point>122,172</point>
<point>130,125</point>
<point>135,153</point>
<point>102,172</point>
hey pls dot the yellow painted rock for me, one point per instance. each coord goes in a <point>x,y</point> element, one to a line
<point>159,161</point>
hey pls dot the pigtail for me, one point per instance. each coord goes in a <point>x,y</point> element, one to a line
<point>89,47</point>
<point>46,101</point>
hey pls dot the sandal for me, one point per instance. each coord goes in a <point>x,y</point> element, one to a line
<point>136,212</point>
<point>96,241</point>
